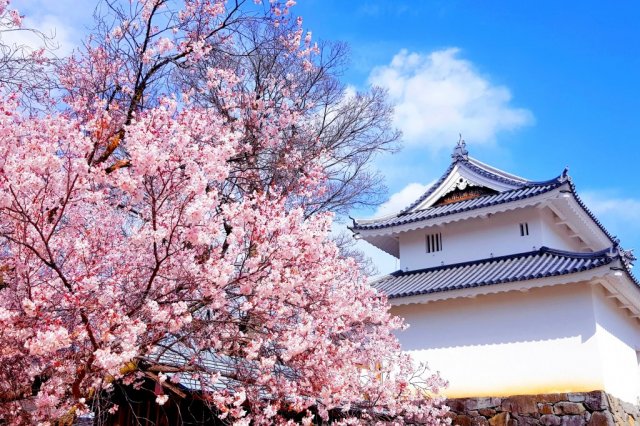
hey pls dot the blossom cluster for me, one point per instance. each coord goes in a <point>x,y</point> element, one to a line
<point>123,237</point>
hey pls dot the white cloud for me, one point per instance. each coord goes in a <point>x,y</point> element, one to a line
<point>401,199</point>
<point>622,208</point>
<point>350,92</point>
<point>440,95</point>
<point>620,215</point>
<point>67,20</point>
<point>62,40</point>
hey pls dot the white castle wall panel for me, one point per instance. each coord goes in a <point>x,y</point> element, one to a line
<point>541,341</point>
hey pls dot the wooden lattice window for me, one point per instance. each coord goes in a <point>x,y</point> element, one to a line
<point>434,242</point>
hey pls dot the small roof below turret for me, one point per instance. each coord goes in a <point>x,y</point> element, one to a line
<point>541,263</point>
<point>610,268</point>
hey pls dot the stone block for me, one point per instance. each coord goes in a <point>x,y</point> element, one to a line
<point>487,403</point>
<point>520,404</point>
<point>576,397</point>
<point>603,418</point>
<point>623,412</point>
<point>621,419</point>
<point>456,405</point>
<point>526,421</point>
<point>545,408</point>
<point>573,421</point>
<point>550,420</point>
<point>595,408</point>
<point>487,412</point>
<point>500,419</point>
<point>462,420</point>
<point>479,421</point>
<point>568,408</point>
<point>596,401</point>
<point>471,404</point>
<point>552,398</point>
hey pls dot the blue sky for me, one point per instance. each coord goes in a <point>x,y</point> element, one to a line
<point>536,86</point>
<point>532,86</point>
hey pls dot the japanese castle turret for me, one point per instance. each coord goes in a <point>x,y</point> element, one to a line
<point>511,286</point>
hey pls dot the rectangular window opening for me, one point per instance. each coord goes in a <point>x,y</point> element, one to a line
<point>434,242</point>
<point>524,229</point>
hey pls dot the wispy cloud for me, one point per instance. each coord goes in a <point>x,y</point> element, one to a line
<point>620,215</point>
<point>439,94</point>
<point>63,20</point>
<point>402,199</point>
<point>59,34</point>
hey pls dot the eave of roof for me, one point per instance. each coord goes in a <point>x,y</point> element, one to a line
<point>526,189</point>
<point>615,240</point>
<point>462,160</point>
<point>481,169</point>
<point>521,193</point>
<point>541,263</point>
<point>523,189</point>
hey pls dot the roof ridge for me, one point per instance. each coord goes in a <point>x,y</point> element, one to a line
<point>429,190</point>
<point>533,265</point>
<point>457,207</point>
<point>583,255</point>
<point>476,166</point>
<point>530,185</point>
<point>496,170</point>
<point>614,239</point>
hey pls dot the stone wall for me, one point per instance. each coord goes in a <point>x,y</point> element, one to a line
<point>595,408</point>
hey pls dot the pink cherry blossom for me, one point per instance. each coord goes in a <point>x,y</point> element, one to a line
<point>15,18</point>
<point>153,245</point>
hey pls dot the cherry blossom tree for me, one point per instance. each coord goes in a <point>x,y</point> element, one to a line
<point>151,50</point>
<point>148,236</point>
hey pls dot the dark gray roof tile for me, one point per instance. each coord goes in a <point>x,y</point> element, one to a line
<point>462,206</point>
<point>481,169</point>
<point>541,263</point>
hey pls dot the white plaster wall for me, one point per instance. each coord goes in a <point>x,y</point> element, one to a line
<point>473,239</point>
<point>618,338</point>
<point>541,341</point>
<point>557,236</point>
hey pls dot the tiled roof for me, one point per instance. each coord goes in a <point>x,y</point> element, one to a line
<point>495,174</point>
<point>177,355</point>
<point>462,206</point>
<point>541,263</point>
<point>432,188</point>
<point>615,240</point>
<point>231,369</point>
<point>522,188</point>
<point>479,168</point>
